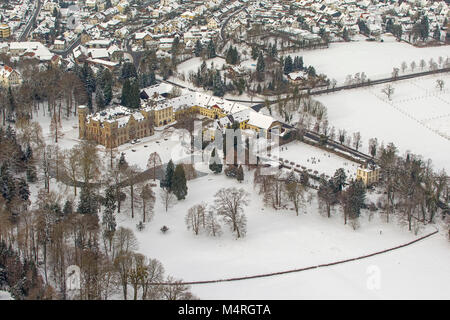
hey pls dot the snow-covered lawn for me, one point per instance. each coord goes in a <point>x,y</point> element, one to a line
<point>415,272</point>
<point>376,59</point>
<point>68,133</point>
<point>280,240</point>
<point>316,159</point>
<point>193,64</point>
<point>416,119</point>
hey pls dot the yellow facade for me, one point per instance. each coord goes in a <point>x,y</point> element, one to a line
<point>163,116</point>
<point>213,112</point>
<point>121,17</point>
<point>5,31</point>
<point>109,134</point>
<point>122,6</point>
<point>212,24</point>
<point>9,77</point>
<point>216,112</point>
<point>367,175</point>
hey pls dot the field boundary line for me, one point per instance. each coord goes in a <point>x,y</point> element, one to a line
<point>272,274</point>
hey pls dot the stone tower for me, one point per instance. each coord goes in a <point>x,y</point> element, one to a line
<point>82,114</point>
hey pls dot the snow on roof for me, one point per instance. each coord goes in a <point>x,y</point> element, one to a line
<point>37,48</point>
<point>103,62</point>
<point>296,75</point>
<point>259,120</point>
<point>119,114</point>
<point>5,71</point>
<point>98,53</point>
<point>160,89</point>
<point>100,42</point>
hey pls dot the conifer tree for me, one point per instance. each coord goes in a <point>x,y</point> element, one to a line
<point>23,190</point>
<point>288,65</point>
<point>126,91</point>
<point>7,185</point>
<point>240,174</point>
<point>166,183</point>
<point>108,218</point>
<point>339,179</point>
<point>179,187</point>
<point>211,50</point>
<point>215,165</point>
<point>260,64</point>
<point>100,99</point>
<point>88,202</point>
<point>198,48</point>
<point>68,207</point>
<point>134,98</point>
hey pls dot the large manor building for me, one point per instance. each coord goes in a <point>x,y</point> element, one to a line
<point>117,125</point>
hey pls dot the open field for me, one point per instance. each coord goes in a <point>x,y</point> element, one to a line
<point>376,59</point>
<point>416,119</point>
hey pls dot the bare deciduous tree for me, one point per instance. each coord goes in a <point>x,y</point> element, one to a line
<point>230,203</point>
<point>176,290</point>
<point>440,84</point>
<point>212,225</point>
<point>148,201</point>
<point>294,191</point>
<point>357,142</point>
<point>388,90</point>
<point>154,161</point>
<point>195,218</point>
<point>167,198</point>
<point>154,273</point>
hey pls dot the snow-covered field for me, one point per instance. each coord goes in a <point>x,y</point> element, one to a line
<point>280,240</point>
<point>376,59</point>
<point>193,64</point>
<point>416,119</point>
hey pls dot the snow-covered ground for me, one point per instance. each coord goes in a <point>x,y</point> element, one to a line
<point>416,119</point>
<point>68,133</point>
<point>316,159</point>
<point>193,64</point>
<point>376,59</point>
<point>280,240</point>
<point>4,295</point>
<point>415,272</point>
<point>171,144</point>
